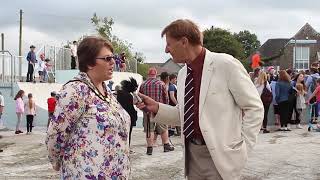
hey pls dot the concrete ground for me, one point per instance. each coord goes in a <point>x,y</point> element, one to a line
<point>278,155</point>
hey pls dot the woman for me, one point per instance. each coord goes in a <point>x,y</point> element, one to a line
<point>30,107</point>
<point>261,83</point>
<point>19,109</point>
<point>126,100</point>
<point>88,134</point>
<point>297,81</point>
<point>283,88</point>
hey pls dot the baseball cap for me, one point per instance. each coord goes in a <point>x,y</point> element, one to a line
<point>152,72</point>
<point>32,46</point>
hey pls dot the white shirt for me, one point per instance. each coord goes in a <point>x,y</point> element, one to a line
<point>28,110</point>
<point>73,50</point>
<point>42,65</point>
<point>1,100</point>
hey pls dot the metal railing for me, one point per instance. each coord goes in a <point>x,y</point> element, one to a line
<point>10,69</point>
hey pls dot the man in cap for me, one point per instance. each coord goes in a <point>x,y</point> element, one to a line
<point>155,89</point>
<point>31,58</point>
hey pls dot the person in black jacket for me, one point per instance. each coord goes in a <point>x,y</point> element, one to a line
<point>126,100</point>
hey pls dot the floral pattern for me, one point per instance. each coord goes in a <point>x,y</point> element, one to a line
<point>88,135</point>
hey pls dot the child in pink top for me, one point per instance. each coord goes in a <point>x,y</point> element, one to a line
<point>19,109</point>
<point>316,92</point>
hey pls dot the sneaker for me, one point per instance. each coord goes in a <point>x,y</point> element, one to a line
<point>265,131</point>
<point>149,150</point>
<point>287,129</point>
<point>17,132</point>
<point>299,126</point>
<point>167,148</point>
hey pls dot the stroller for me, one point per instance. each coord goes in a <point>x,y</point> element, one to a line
<point>311,125</point>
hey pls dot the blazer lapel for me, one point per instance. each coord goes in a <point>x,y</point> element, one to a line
<point>208,68</point>
<point>181,85</point>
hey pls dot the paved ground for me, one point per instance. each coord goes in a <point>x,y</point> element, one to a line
<point>277,156</point>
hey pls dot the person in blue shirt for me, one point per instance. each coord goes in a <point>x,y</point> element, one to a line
<point>31,58</point>
<point>282,89</point>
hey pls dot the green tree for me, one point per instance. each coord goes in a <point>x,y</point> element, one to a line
<point>222,41</point>
<point>143,70</point>
<point>250,42</point>
<point>103,27</point>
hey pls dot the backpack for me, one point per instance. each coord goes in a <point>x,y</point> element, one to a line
<point>266,95</point>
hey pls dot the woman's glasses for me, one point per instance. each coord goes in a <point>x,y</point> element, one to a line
<point>107,58</point>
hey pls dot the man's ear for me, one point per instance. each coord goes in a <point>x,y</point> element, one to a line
<point>184,41</point>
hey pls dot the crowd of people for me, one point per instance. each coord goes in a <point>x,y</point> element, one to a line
<point>290,93</point>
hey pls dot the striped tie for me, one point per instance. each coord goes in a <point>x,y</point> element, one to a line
<point>188,128</point>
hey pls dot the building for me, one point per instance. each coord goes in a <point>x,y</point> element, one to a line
<point>169,66</point>
<point>297,52</point>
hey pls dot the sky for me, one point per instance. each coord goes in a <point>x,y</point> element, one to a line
<point>140,22</point>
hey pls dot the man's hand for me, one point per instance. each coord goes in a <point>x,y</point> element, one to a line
<point>56,166</point>
<point>148,103</point>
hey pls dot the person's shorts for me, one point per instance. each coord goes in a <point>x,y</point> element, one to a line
<point>40,73</point>
<point>154,127</point>
<point>276,109</point>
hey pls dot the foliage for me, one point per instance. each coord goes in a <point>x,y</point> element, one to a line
<point>222,41</point>
<point>250,42</point>
<point>143,70</point>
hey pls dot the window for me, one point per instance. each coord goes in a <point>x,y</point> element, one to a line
<point>301,62</point>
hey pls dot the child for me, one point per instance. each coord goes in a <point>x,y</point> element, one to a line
<point>30,108</point>
<point>51,106</point>
<point>19,109</point>
<point>301,102</point>
<point>42,67</point>
<point>47,69</point>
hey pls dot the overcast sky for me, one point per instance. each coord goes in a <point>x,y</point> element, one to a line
<point>140,22</point>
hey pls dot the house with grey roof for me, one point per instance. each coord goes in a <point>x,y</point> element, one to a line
<point>297,52</point>
<point>169,66</point>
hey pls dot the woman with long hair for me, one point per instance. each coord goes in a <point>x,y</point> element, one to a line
<point>261,83</point>
<point>19,109</point>
<point>283,88</point>
<point>30,108</point>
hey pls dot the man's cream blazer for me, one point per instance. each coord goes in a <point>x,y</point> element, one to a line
<point>230,112</point>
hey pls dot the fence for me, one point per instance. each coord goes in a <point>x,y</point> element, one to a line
<point>61,58</point>
<point>10,69</point>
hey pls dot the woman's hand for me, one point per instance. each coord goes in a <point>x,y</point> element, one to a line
<point>148,104</point>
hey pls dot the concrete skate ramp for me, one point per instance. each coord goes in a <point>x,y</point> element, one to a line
<point>41,92</point>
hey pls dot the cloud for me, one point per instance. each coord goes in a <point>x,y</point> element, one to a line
<point>140,22</point>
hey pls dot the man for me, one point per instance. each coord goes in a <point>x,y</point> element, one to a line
<point>31,58</point>
<point>1,109</point>
<point>218,108</point>
<point>155,89</point>
<point>73,48</point>
<point>172,91</point>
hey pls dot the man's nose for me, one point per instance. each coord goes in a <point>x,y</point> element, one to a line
<point>167,50</point>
